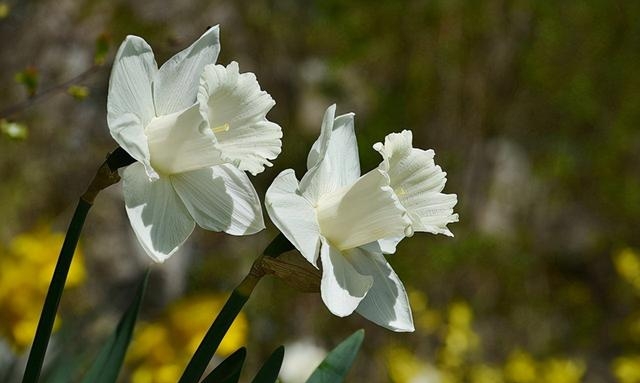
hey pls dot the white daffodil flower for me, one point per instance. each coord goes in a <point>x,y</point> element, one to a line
<point>349,220</point>
<point>195,128</point>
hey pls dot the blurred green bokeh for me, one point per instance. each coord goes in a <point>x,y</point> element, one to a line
<point>532,107</point>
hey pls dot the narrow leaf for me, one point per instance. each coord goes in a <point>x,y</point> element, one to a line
<point>50,307</point>
<point>107,365</point>
<point>229,370</point>
<point>336,365</point>
<point>271,368</point>
<point>200,359</point>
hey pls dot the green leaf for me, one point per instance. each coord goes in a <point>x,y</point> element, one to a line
<point>54,294</point>
<point>279,245</point>
<point>107,365</point>
<point>229,370</point>
<point>271,368</point>
<point>63,370</point>
<point>335,366</point>
<point>201,358</point>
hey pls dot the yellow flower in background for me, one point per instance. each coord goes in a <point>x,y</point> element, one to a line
<point>405,367</point>
<point>160,350</point>
<point>428,320</point>
<point>191,317</point>
<point>520,368</point>
<point>626,369</point>
<point>460,339</point>
<point>26,267</point>
<point>486,374</point>
<point>558,370</point>
<point>627,263</point>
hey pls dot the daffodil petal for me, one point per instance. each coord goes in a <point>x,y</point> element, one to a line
<point>293,215</point>
<point>177,82</point>
<point>388,245</point>
<point>128,132</point>
<point>130,100</point>
<point>179,143</point>
<point>236,110</point>
<point>342,287</point>
<point>220,198</point>
<point>333,160</point>
<point>386,303</point>
<point>159,219</point>
<point>362,213</point>
<point>319,147</point>
<point>418,183</point>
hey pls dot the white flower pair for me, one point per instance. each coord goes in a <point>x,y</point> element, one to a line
<point>196,127</point>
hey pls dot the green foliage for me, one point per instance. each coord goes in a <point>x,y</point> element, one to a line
<point>268,373</point>
<point>229,370</point>
<point>54,293</point>
<point>336,365</point>
<point>198,363</point>
<point>108,363</point>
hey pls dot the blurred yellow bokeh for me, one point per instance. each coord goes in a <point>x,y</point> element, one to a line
<point>520,367</point>
<point>627,263</point>
<point>160,350</point>
<point>26,268</point>
<point>557,370</point>
<point>627,369</point>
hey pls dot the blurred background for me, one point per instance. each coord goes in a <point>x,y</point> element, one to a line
<point>532,107</point>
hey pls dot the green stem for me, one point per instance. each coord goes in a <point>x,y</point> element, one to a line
<point>207,348</point>
<point>200,360</point>
<point>48,315</point>
<point>107,175</point>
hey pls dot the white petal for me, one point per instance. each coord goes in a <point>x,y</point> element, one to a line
<point>130,100</point>
<point>418,182</point>
<point>293,215</point>
<point>388,245</point>
<point>362,213</point>
<point>220,198</point>
<point>236,110</point>
<point>342,287</point>
<point>178,79</point>
<point>333,160</point>
<point>180,142</point>
<point>158,217</point>
<point>128,132</point>
<point>319,148</point>
<point>386,302</point>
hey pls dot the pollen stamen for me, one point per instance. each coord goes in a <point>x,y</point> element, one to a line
<point>221,128</point>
